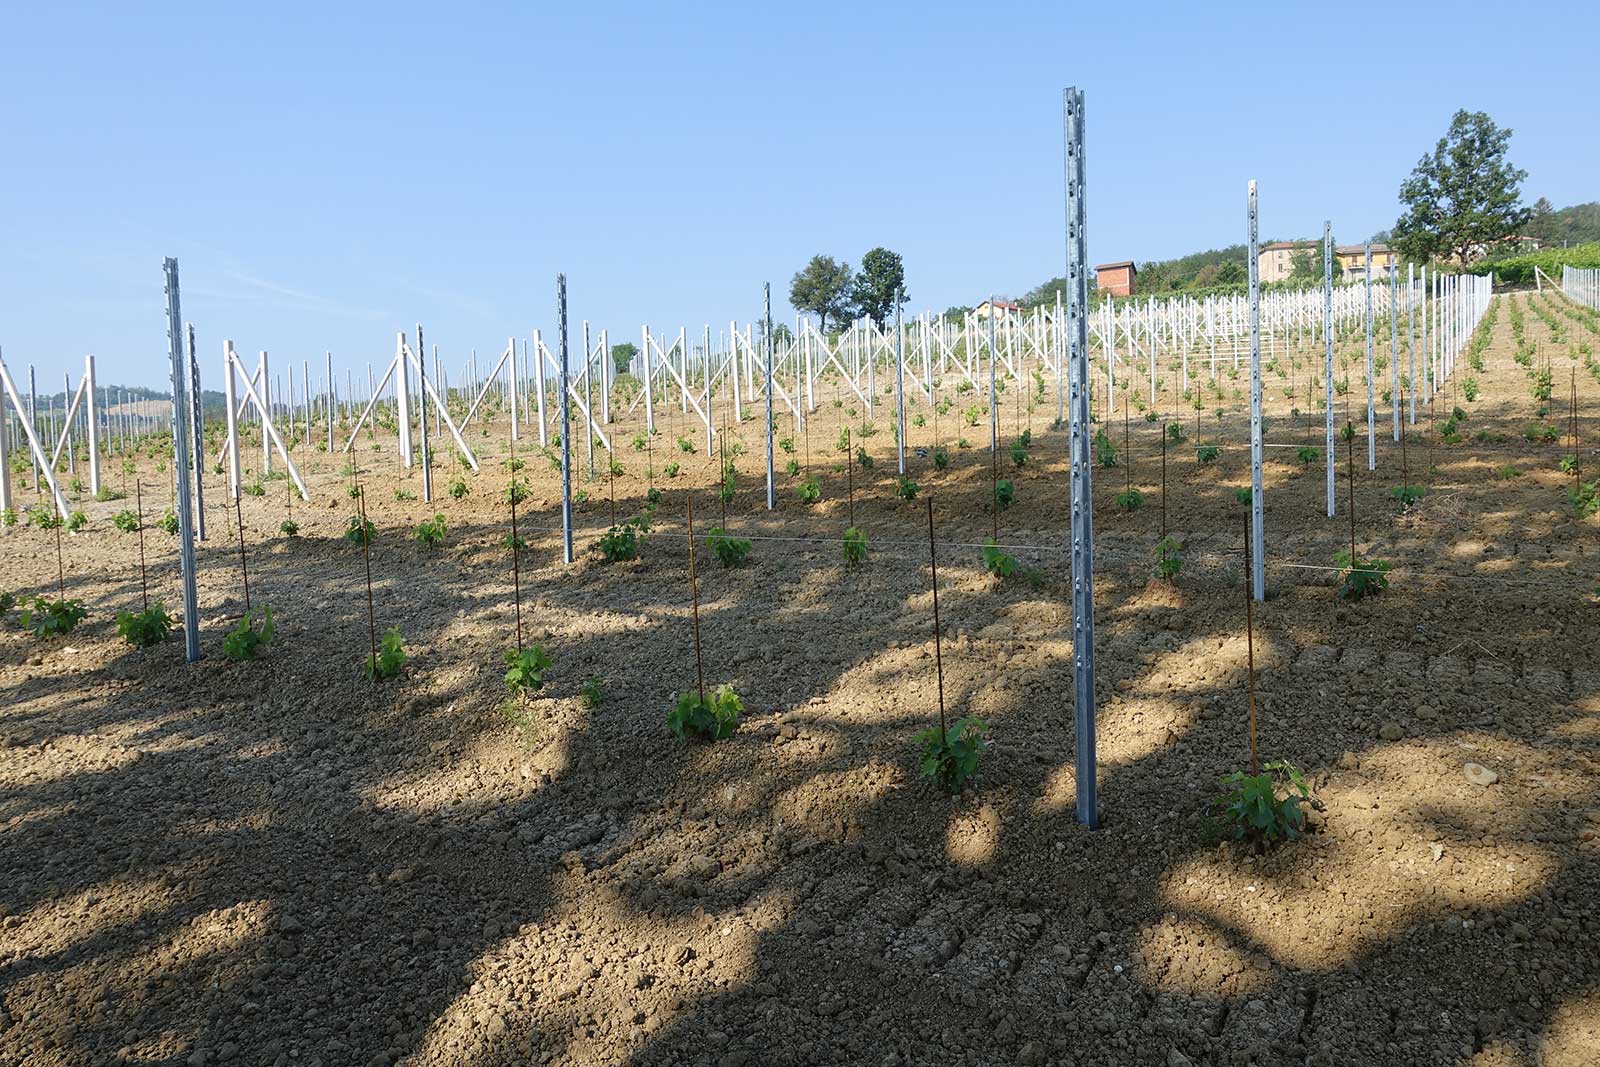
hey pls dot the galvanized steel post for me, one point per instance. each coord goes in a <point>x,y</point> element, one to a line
<point>1084,762</point>
<point>566,424</point>
<point>182,444</point>
<point>1327,358</point>
<point>1258,571</point>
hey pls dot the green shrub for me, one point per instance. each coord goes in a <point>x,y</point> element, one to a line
<point>951,757</point>
<point>1208,453</point>
<point>1019,454</point>
<point>289,528</point>
<point>941,458</point>
<point>1408,495</point>
<point>1584,498</point>
<point>1004,493</point>
<point>1105,453</point>
<point>709,718</point>
<point>44,520</point>
<point>906,489</point>
<point>809,491</point>
<point>141,629</point>
<point>126,520</point>
<point>169,523</point>
<point>1129,500</point>
<point>1308,454</point>
<point>458,489</point>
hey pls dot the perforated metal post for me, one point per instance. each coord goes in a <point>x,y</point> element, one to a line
<point>420,355</point>
<point>566,424</point>
<point>1394,345</point>
<point>1258,570</point>
<point>197,412</point>
<point>1372,429</point>
<point>772,490</point>
<point>1327,358</point>
<point>900,384</point>
<point>1084,762</point>
<point>181,445</point>
<point>1411,348</point>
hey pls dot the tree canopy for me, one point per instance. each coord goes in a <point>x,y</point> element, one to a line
<point>622,355</point>
<point>822,287</point>
<point>1464,196</point>
<point>879,285</point>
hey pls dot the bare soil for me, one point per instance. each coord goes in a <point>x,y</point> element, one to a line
<point>278,862</point>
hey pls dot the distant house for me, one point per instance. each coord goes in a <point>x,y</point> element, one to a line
<point>1353,258</point>
<point>1116,279</point>
<point>1000,308</point>
<point>1277,259</point>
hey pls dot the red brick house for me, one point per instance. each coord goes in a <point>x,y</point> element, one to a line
<point>1117,279</point>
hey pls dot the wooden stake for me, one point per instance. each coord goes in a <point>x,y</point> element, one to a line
<point>138,503</point>
<point>938,654</point>
<point>1250,646</point>
<point>366,558</point>
<point>694,600</point>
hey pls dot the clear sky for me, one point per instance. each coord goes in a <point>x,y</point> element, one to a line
<point>329,174</point>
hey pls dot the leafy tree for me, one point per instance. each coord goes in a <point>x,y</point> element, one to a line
<point>1045,294</point>
<point>622,355</point>
<point>1305,265</point>
<point>822,288</point>
<point>956,312</point>
<point>1464,196</point>
<point>879,284</point>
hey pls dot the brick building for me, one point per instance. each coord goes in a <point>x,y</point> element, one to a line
<point>1116,279</point>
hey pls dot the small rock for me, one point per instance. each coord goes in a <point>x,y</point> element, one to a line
<point>1178,1059</point>
<point>703,866</point>
<point>1031,1054</point>
<point>1348,762</point>
<point>1478,774</point>
<point>1391,731</point>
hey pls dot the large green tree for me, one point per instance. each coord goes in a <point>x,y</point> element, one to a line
<point>881,282</point>
<point>1305,265</point>
<point>822,288</point>
<point>1463,196</point>
<point>622,355</point>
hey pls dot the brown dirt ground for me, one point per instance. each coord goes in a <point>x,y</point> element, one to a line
<point>277,862</point>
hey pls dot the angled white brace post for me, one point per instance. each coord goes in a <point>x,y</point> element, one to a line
<point>33,444</point>
<point>535,354</point>
<point>831,352</point>
<point>269,432</point>
<point>439,405</point>
<point>488,383</point>
<point>574,386</point>
<point>85,388</point>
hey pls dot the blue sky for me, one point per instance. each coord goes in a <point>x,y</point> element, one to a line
<point>329,175</point>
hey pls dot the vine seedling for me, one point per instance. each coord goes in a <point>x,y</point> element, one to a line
<point>141,629</point>
<point>52,618</point>
<point>391,657</point>
<point>1169,559</point>
<point>995,560</point>
<point>245,639</point>
<point>430,532</point>
<point>855,547</point>
<point>359,531</point>
<point>525,669</point>
<point>1357,578</point>
<point>709,718</point>
<point>126,521</point>
<point>950,757</point>
<point>906,489</point>
<point>1208,453</point>
<point>592,692</point>
<point>730,551</point>
<point>1254,810</point>
<point>1004,493</point>
<point>1129,499</point>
